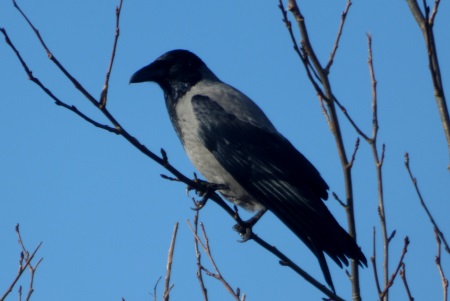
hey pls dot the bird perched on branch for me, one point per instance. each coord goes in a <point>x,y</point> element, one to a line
<point>232,143</point>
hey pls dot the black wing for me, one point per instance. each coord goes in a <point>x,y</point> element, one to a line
<point>279,177</point>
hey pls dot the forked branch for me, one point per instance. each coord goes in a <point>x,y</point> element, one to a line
<point>318,77</point>
<point>201,268</point>
<point>25,262</point>
<point>399,265</point>
<point>425,20</point>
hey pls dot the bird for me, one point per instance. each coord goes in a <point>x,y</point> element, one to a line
<point>232,143</point>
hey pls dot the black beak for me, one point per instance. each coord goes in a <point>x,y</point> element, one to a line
<point>154,72</point>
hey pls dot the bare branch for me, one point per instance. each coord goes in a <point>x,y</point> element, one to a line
<point>324,110</point>
<point>438,264</point>
<point>391,280</point>
<point>32,273</point>
<point>154,288</point>
<point>285,261</point>
<point>422,202</point>
<point>417,13</point>
<point>336,197</point>
<point>311,73</point>
<point>338,37</point>
<point>167,286</point>
<point>211,259</point>
<point>426,23</point>
<point>373,259</point>
<point>316,73</point>
<point>405,283</point>
<point>198,255</point>
<point>27,257</point>
<point>289,28</point>
<point>216,274</point>
<point>350,119</point>
<point>58,102</point>
<point>355,150</point>
<point>104,94</point>
<point>378,160</point>
<point>117,129</point>
<point>375,126</point>
<point>54,60</point>
<point>390,237</point>
<point>434,12</point>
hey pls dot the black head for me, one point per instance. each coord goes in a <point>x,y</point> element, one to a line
<point>173,69</point>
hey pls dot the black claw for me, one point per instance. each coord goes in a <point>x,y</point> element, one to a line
<point>244,230</point>
<point>200,204</point>
<point>205,190</point>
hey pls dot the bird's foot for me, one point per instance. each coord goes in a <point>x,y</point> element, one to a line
<point>205,190</point>
<point>201,203</point>
<point>244,228</point>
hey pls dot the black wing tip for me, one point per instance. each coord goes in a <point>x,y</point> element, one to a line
<point>358,256</point>
<point>362,261</point>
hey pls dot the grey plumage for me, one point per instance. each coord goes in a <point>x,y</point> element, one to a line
<point>231,141</point>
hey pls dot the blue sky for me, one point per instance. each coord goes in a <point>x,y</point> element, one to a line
<point>100,207</point>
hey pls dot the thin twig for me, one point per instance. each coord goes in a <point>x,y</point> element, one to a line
<point>155,287</point>
<point>405,282</point>
<point>350,120</point>
<point>211,259</point>
<point>32,273</point>
<point>20,292</point>
<point>198,255</point>
<point>285,261</point>
<point>58,102</point>
<point>425,207</point>
<point>104,94</point>
<point>355,150</point>
<point>373,259</point>
<point>439,266</point>
<point>338,36</point>
<point>72,79</point>
<point>207,249</point>
<point>336,197</point>
<point>434,12</point>
<point>27,257</point>
<point>379,159</point>
<point>311,73</point>
<point>391,280</point>
<point>53,58</point>
<point>390,237</point>
<point>167,286</point>
<point>426,23</point>
<point>324,109</point>
<point>289,28</point>
<point>373,79</point>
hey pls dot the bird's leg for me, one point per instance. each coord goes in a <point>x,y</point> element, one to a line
<point>244,228</point>
<point>205,190</point>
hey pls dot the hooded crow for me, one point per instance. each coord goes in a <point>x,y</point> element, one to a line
<point>232,143</point>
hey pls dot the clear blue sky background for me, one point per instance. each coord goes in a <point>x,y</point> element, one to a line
<point>100,207</point>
